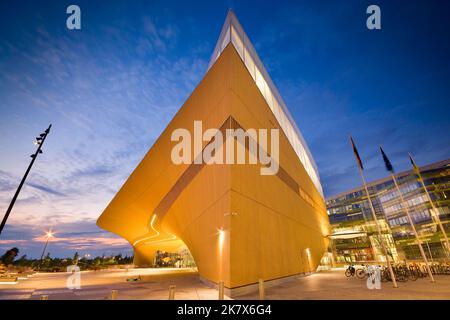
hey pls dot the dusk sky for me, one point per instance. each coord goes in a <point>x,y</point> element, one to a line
<point>110,89</point>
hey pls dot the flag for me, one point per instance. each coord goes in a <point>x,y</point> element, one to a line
<point>387,163</point>
<point>358,159</point>
<point>415,167</point>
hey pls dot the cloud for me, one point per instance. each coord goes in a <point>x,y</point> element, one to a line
<point>12,242</point>
<point>108,96</point>
<point>93,171</point>
<point>6,182</point>
<point>46,189</point>
<point>158,38</point>
<point>326,117</point>
<point>67,240</point>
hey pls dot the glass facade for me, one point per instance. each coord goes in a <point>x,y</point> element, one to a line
<point>350,211</point>
<point>182,258</point>
<point>232,32</point>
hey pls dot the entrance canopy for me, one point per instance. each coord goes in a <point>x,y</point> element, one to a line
<point>347,235</point>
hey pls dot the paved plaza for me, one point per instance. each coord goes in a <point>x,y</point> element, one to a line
<point>334,285</point>
<point>155,283</point>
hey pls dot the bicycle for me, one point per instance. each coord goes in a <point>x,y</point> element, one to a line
<point>350,272</point>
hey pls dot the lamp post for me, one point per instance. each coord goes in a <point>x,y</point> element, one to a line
<point>48,234</point>
<point>39,142</point>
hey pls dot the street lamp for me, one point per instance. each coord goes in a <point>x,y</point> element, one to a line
<point>39,142</point>
<point>49,234</point>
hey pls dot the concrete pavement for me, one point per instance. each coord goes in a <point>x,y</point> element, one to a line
<point>154,284</point>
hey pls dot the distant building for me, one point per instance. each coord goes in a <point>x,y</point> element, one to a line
<point>353,231</point>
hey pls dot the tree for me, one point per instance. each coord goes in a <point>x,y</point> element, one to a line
<point>10,255</point>
<point>75,258</point>
<point>97,261</point>
<point>22,260</point>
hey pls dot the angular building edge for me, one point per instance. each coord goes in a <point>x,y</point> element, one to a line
<point>239,226</point>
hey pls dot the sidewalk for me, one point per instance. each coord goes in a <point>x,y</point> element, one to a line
<point>154,285</point>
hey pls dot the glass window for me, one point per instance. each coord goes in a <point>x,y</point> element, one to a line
<point>302,155</point>
<point>291,133</point>
<point>287,130</point>
<point>266,90</point>
<point>237,41</point>
<point>226,40</point>
<point>249,63</point>
<point>296,147</point>
<point>259,80</point>
<point>269,98</point>
<point>276,109</point>
<point>283,122</point>
<point>275,106</point>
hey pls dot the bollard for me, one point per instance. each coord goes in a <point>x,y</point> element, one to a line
<point>261,289</point>
<point>114,294</point>
<point>172,292</point>
<point>221,290</point>
<point>44,297</point>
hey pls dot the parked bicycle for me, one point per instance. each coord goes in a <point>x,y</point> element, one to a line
<point>440,268</point>
<point>366,271</point>
<point>402,271</point>
<point>350,271</point>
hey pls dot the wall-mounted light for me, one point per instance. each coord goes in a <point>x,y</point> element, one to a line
<point>221,238</point>
<point>308,255</point>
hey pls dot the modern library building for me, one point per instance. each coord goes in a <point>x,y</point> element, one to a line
<point>233,223</point>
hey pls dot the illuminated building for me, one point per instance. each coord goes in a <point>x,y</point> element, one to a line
<point>353,228</point>
<point>239,225</point>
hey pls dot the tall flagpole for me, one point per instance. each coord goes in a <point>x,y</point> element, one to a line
<point>374,216</point>
<point>435,211</point>
<point>419,242</point>
<point>39,141</point>
<point>405,207</point>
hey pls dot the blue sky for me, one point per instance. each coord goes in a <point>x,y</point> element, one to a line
<point>112,87</point>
